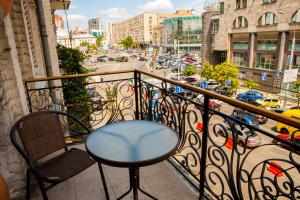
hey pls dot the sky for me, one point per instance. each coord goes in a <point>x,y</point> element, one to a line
<point>117,10</point>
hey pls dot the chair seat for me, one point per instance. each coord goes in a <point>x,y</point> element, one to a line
<point>65,165</point>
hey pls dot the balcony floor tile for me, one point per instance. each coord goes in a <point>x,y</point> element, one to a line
<point>160,180</point>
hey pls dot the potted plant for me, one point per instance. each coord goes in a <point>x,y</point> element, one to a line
<point>4,192</point>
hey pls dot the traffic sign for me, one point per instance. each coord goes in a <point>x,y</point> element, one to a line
<point>178,89</point>
<point>228,83</point>
<point>203,85</point>
<point>264,76</point>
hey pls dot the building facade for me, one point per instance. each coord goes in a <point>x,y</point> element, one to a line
<point>258,36</point>
<point>76,40</point>
<point>182,34</point>
<point>141,27</point>
<point>59,22</point>
<point>28,50</point>
<point>95,26</point>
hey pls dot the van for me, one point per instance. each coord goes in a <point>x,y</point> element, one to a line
<point>284,128</point>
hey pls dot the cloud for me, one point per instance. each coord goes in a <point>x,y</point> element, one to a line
<point>156,5</point>
<point>115,14</point>
<point>76,17</point>
<point>73,6</point>
<point>197,5</point>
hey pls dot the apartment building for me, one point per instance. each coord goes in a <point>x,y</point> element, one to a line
<point>95,26</point>
<point>141,27</point>
<point>259,36</point>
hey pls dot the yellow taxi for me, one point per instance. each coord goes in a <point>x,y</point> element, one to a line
<point>270,101</point>
<point>284,128</point>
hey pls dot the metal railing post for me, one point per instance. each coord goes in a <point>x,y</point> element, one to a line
<point>140,95</point>
<point>136,94</point>
<point>205,117</point>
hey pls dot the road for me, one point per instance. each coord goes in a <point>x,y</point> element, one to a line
<point>254,161</point>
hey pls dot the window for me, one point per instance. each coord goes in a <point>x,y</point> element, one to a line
<point>266,45</point>
<point>241,4</point>
<point>240,59</point>
<point>240,22</point>
<point>268,19</point>
<point>215,26</point>
<point>269,1</point>
<point>240,45</point>
<point>265,61</point>
<point>295,63</point>
<point>296,17</point>
<point>222,7</point>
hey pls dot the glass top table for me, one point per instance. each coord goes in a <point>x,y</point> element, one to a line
<point>132,144</point>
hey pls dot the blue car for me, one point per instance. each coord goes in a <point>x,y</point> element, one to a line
<point>250,95</point>
<point>247,119</point>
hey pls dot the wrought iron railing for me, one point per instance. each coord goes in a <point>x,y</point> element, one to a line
<point>223,154</point>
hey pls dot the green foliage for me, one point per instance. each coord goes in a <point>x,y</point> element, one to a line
<point>99,41</point>
<point>225,71</point>
<point>296,87</point>
<point>207,71</point>
<point>189,70</point>
<point>127,42</point>
<point>251,84</point>
<point>84,44</point>
<point>74,91</point>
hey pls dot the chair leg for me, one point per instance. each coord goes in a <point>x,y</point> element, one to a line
<point>103,181</point>
<point>43,189</point>
<point>28,184</point>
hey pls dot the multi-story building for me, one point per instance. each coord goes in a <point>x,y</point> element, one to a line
<point>259,36</point>
<point>95,26</point>
<point>59,22</point>
<point>75,40</point>
<point>182,34</point>
<point>141,27</point>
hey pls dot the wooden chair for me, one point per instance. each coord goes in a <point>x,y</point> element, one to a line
<point>37,136</point>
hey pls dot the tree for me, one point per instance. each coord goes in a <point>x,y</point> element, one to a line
<point>99,41</point>
<point>74,93</point>
<point>127,42</point>
<point>251,84</point>
<point>189,70</point>
<point>296,87</point>
<point>207,71</point>
<point>224,72</point>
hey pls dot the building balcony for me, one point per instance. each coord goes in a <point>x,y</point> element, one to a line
<point>221,154</point>
<point>60,4</point>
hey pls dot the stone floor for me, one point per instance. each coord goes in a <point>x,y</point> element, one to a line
<point>160,180</point>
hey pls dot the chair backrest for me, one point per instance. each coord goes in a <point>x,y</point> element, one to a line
<point>41,134</point>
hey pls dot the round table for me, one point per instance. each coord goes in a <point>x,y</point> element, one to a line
<point>132,144</point>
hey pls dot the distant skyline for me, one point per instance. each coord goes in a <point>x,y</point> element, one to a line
<point>81,11</point>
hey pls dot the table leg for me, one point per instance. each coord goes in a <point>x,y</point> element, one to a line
<point>103,181</point>
<point>134,176</point>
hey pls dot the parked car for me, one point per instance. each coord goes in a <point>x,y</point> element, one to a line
<point>295,139</point>
<point>261,119</point>
<point>284,128</point>
<point>270,101</point>
<point>212,85</point>
<point>225,91</point>
<point>110,59</point>
<point>251,94</point>
<point>250,101</point>
<point>101,60</point>
<point>247,119</point>
<point>133,56</point>
<point>140,58</point>
<point>245,137</point>
<point>213,103</point>
<point>121,59</point>
<point>191,80</point>
<point>175,76</point>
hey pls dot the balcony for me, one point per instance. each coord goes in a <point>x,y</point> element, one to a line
<point>60,4</point>
<point>220,155</point>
